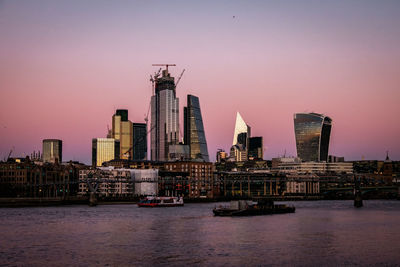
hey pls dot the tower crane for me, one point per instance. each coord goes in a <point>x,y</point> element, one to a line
<point>180,76</point>
<point>166,65</point>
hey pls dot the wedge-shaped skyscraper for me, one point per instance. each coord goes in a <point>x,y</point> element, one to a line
<point>312,131</point>
<point>242,132</point>
<point>194,135</point>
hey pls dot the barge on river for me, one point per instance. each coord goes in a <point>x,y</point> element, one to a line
<point>249,208</point>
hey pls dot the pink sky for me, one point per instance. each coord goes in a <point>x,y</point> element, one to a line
<point>66,66</point>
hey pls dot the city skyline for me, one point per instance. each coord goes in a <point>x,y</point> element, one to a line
<point>68,66</point>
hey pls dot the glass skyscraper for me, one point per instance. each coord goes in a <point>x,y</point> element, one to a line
<point>194,135</point>
<point>122,130</point>
<point>164,117</point>
<point>104,149</point>
<point>242,132</point>
<point>139,141</point>
<point>312,131</point>
<point>52,150</point>
<point>256,147</point>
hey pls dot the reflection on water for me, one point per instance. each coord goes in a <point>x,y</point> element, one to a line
<point>319,233</point>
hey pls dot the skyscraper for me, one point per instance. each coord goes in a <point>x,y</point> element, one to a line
<point>256,148</point>
<point>52,150</point>
<point>240,144</point>
<point>122,130</point>
<point>194,135</point>
<point>139,141</point>
<point>312,131</point>
<point>242,132</point>
<point>104,149</point>
<point>164,117</point>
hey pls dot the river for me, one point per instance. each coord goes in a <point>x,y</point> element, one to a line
<point>327,233</point>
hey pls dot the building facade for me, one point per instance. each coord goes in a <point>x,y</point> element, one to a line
<point>194,135</point>
<point>242,131</point>
<point>200,178</point>
<point>302,185</point>
<point>221,155</point>
<point>255,148</point>
<point>145,181</point>
<point>107,182</point>
<point>164,117</point>
<point>247,184</point>
<point>312,133</point>
<point>104,149</point>
<point>44,180</point>
<point>314,167</point>
<point>52,150</point>
<point>122,130</point>
<point>139,141</point>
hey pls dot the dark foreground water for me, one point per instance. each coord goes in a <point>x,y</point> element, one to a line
<point>327,233</point>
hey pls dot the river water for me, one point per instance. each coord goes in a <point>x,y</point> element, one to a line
<point>327,233</point>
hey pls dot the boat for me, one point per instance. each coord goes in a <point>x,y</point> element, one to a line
<point>249,208</point>
<point>161,202</point>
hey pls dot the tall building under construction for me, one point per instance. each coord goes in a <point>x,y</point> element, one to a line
<point>164,116</point>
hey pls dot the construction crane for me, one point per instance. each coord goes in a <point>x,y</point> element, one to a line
<point>180,76</point>
<point>9,154</point>
<point>153,79</point>
<point>166,65</point>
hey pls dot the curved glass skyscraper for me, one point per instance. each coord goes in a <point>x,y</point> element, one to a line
<point>312,132</point>
<point>194,135</point>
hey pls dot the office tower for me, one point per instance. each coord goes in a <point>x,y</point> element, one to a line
<point>238,153</point>
<point>164,117</point>
<point>52,150</point>
<point>240,145</point>
<point>312,133</point>
<point>122,130</point>
<point>256,148</point>
<point>242,132</point>
<point>221,155</point>
<point>104,149</point>
<point>139,141</point>
<point>194,135</point>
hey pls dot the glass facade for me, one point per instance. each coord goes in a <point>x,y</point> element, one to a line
<point>312,133</point>
<point>194,135</point>
<point>123,113</point>
<point>256,147</point>
<point>240,127</point>
<point>52,150</point>
<point>164,117</point>
<point>103,150</point>
<point>139,141</point>
<point>122,130</point>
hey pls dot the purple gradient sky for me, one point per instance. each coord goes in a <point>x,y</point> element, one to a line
<point>66,65</point>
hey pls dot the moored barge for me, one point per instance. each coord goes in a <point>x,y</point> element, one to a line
<point>250,208</point>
